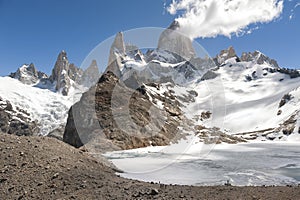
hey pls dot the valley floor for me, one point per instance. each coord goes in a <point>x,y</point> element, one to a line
<point>45,168</point>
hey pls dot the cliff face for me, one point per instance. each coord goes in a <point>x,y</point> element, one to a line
<point>91,75</point>
<point>117,51</point>
<point>64,74</point>
<point>106,117</point>
<point>173,41</point>
<point>60,73</point>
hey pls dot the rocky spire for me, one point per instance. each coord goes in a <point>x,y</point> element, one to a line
<point>62,63</point>
<point>90,75</point>
<point>173,41</point>
<point>225,55</point>
<point>60,73</point>
<point>118,44</point>
<point>117,51</point>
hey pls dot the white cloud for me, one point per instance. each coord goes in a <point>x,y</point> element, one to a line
<point>209,18</point>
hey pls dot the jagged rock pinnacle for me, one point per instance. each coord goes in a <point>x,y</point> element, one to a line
<point>63,72</point>
<point>225,55</point>
<point>90,75</point>
<point>173,41</point>
<point>117,50</point>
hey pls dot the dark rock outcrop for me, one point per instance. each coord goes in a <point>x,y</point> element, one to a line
<point>15,120</point>
<point>96,118</point>
<point>293,73</point>
<point>286,98</point>
<point>209,75</point>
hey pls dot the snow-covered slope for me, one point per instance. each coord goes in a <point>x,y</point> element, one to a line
<point>239,97</point>
<point>250,95</point>
<point>48,108</point>
<point>253,105</point>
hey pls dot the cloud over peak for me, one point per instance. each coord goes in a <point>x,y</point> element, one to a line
<point>210,18</point>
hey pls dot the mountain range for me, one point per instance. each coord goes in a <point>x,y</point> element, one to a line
<point>155,98</point>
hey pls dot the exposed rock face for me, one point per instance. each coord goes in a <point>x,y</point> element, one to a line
<point>173,41</point>
<point>162,65</point>
<point>134,52</point>
<point>91,75</point>
<point>293,73</point>
<point>61,64</point>
<point>259,58</point>
<point>285,99</point>
<point>74,72</point>
<point>64,73</point>
<point>60,73</point>
<point>58,132</point>
<point>84,128</point>
<point>225,55</point>
<point>28,74</point>
<point>16,120</point>
<point>117,51</point>
<point>209,75</point>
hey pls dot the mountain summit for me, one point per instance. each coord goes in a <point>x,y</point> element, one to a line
<point>173,41</point>
<point>64,77</point>
<point>259,58</point>
<point>117,52</point>
<point>64,74</point>
<point>28,74</point>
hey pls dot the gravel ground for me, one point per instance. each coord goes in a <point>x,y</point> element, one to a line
<point>46,168</point>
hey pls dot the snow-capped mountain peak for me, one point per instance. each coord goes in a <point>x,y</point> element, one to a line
<point>259,58</point>
<point>44,99</point>
<point>28,74</point>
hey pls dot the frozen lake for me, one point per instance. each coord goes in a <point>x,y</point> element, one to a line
<point>242,164</point>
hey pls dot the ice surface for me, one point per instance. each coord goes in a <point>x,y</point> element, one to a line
<point>261,163</point>
<point>251,105</point>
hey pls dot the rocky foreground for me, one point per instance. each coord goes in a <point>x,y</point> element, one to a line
<point>46,168</point>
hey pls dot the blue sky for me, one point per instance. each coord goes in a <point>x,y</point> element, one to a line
<point>37,30</point>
